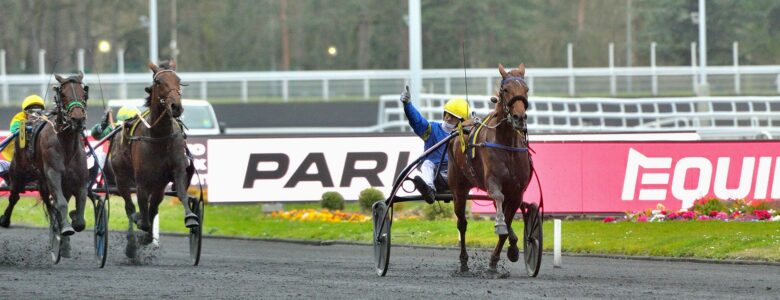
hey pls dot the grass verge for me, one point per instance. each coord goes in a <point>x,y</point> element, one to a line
<point>703,239</point>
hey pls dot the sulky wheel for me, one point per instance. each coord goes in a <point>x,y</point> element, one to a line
<point>532,240</point>
<point>54,236</point>
<point>196,233</point>
<point>383,219</point>
<point>101,230</point>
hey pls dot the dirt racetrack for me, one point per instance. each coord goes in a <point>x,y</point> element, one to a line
<point>243,269</point>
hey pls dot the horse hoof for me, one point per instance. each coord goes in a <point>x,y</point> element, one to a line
<point>130,249</point>
<point>513,254</point>
<point>5,221</point>
<point>78,223</point>
<point>501,230</point>
<point>65,250</point>
<point>464,269</point>
<point>147,239</point>
<point>67,230</point>
<point>191,221</point>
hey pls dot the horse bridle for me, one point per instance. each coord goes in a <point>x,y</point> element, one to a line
<point>162,98</point>
<point>63,113</point>
<point>516,124</point>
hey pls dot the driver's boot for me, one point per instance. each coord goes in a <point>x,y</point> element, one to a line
<point>428,192</point>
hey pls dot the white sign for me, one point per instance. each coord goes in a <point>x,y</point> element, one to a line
<point>302,169</point>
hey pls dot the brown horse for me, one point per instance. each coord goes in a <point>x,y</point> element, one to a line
<point>58,162</point>
<point>151,157</point>
<point>501,164</point>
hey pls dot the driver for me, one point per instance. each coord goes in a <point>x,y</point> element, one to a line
<point>32,104</point>
<point>455,111</point>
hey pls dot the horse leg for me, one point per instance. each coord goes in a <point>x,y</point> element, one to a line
<point>155,198</point>
<point>513,253</point>
<point>124,192</point>
<point>494,189</point>
<point>5,220</point>
<point>77,216</point>
<point>460,211</point>
<point>180,180</point>
<point>143,205</point>
<point>54,180</point>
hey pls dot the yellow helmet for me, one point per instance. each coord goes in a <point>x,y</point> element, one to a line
<point>126,112</point>
<point>32,100</point>
<point>457,107</point>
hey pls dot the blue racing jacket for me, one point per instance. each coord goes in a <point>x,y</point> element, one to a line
<point>430,132</point>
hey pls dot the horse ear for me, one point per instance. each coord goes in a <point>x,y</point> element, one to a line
<point>153,67</point>
<point>521,69</point>
<point>502,70</point>
<point>172,64</point>
<point>59,78</point>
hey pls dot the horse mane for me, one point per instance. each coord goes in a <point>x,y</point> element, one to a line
<point>164,65</point>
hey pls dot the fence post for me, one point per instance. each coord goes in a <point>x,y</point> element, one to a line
<point>488,86</point>
<point>530,80</point>
<point>244,91</point>
<point>80,59</point>
<point>204,91</point>
<point>325,89</point>
<point>570,62</point>
<point>4,79</point>
<point>737,77</point>
<point>42,70</point>
<point>120,67</point>
<point>366,89</point>
<point>653,70</point>
<point>612,78</point>
<point>447,85</point>
<point>285,90</point>
<point>694,79</point>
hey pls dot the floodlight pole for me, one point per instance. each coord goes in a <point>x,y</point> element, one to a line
<point>704,89</point>
<point>415,49</point>
<point>153,56</point>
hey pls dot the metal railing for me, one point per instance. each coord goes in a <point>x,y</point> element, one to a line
<point>711,117</point>
<point>368,84</point>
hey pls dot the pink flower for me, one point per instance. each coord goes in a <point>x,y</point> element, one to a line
<point>689,215</point>
<point>609,219</point>
<point>722,216</point>
<point>736,215</point>
<point>641,219</point>
<point>672,216</point>
<point>762,214</point>
<point>704,218</point>
<point>714,214</point>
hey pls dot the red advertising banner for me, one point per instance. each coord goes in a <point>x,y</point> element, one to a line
<point>612,177</point>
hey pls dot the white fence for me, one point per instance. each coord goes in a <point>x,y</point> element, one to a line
<point>711,117</point>
<point>367,84</point>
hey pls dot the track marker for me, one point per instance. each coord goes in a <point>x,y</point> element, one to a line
<point>557,243</point>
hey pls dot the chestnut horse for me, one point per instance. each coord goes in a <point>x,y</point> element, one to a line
<point>59,162</point>
<point>149,158</point>
<point>501,164</point>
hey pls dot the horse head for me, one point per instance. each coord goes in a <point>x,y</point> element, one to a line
<point>71,99</point>
<point>165,92</point>
<point>512,100</point>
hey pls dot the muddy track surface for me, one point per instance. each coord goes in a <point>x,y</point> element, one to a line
<point>244,269</point>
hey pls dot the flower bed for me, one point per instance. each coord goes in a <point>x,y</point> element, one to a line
<point>708,209</point>
<point>320,215</point>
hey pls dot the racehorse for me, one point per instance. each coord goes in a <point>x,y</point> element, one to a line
<point>500,164</point>
<point>153,155</point>
<point>58,161</point>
